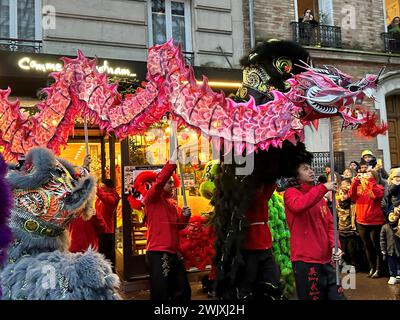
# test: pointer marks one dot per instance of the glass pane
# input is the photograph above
(178, 8)
(75, 153)
(26, 19)
(4, 19)
(158, 6)
(149, 152)
(178, 31)
(159, 28)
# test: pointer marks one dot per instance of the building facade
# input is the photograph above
(354, 37)
(210, 32)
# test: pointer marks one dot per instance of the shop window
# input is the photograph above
(150, 152)
(170, 19)
(75, 153)
(20, 19)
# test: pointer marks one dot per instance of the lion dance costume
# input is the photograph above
(48, 194)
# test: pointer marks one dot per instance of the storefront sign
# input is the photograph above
(29, 64)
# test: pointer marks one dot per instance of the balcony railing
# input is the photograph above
(316, 35)
(391, 42)
(322, 158)
(189, 57)
(20, 45)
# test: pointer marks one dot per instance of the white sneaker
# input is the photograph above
(393, 280)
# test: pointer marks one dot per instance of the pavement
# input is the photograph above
(362, 288)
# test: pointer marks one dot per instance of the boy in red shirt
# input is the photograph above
(168, 279)
(311, 241)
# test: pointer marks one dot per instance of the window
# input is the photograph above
(322, 9)
(20, 19)
(170, 19)
(392, 8)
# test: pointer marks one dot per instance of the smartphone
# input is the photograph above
(379, 162)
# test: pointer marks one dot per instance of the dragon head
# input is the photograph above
(207, 187)
(329, 92)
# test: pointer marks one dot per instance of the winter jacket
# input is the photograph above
(106, 206)
(390, 243)
(368, 202)
(258, 235)
(85, 233)
(383, 175)
(392, 199)
(161, 215)
(310, 223)
(346, 212)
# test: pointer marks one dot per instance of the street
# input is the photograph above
(366, 289)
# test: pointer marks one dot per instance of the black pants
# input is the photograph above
(260, 276)
(350, 245)
(316, 281)
(370, 236)
(106, 247)
(168, 278)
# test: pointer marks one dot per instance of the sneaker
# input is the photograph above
(392, 280)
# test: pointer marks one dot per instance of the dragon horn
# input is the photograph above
(379, 74)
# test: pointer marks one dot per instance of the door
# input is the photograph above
(393, 115)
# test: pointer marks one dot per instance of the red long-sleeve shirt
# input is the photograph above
(258, 236)
(161, 215)
(368, 202)
(311, 224)
(85, 233)
(106, 204)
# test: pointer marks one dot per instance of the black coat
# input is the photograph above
(392, 199)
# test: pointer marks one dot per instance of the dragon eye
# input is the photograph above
(283, 65)
(354, 88)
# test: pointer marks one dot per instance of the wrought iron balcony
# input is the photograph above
(391, 42)
(322, 158)
(318, 35)
(20, 45)
(189, 57)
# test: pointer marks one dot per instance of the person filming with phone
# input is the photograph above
(368, 159)
(367, 194)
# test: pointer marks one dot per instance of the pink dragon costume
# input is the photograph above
(280, 95)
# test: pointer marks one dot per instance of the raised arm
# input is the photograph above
(156, 189)
(353, 189)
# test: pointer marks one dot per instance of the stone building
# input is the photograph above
(353, 36)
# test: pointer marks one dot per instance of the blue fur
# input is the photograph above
(89, 275)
